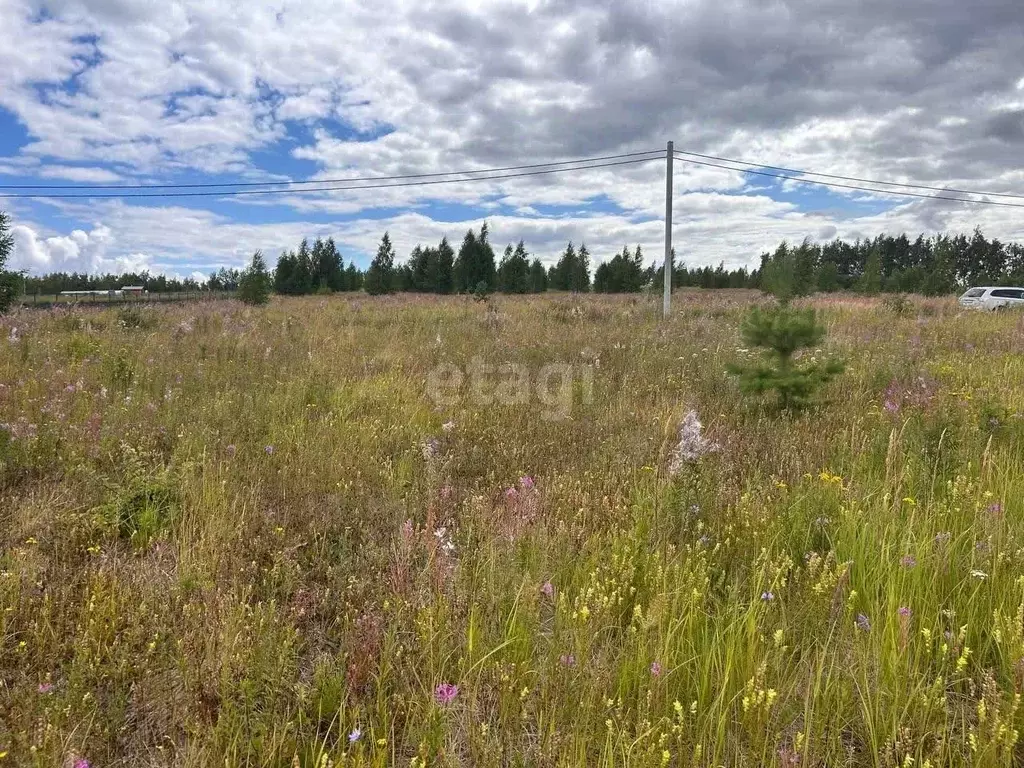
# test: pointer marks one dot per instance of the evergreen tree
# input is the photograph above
(475, 264)
(379, 276)
(284, 273)
(561, 275)
(871, 280)
(579, 276)
(445, 267)
(254, 286)
(302, 276)
(353, 278)
(781, 331)
(10, 282)
(514, 270)
(330, 268)
(538, 277)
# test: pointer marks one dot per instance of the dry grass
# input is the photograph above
(225, 541)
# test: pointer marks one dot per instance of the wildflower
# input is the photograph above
(448, 426)
(863, 623)
(445, 693)
(430, 448)
(979, 575)
(904, 612)
(45, 687)
(908, 561)
(230, 451)
(995, 508)
(943, 537)
(767, 596)
(567, 660)
(511, 493)
(655, 669)
(526, 483)
(547, 589)
(692, 445)
(269, 450)
(354, 736)
(80, 762)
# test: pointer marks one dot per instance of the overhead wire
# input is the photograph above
(897, 192)
(306, 190)
(859, 179)
(294, 182)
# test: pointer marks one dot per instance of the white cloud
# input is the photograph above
(112, 89)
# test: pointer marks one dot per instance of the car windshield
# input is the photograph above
(975, 293)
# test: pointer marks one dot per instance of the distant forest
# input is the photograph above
(933, 266)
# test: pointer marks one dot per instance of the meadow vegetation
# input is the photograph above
(240, 535)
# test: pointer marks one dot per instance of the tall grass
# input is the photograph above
(246, 537)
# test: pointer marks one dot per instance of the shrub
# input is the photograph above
(898, 304)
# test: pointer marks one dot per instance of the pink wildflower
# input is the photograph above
(445, 693)
(656, 669)
(547, 589)
(45, 687)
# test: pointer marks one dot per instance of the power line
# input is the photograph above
(850, 186)
(854, 178)
(291, 182)
(237, 192)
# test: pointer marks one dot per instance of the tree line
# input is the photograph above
(937, 265)
(933, 266)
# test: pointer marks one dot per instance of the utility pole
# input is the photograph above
(667, 302)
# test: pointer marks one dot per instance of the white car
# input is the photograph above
(991, 299)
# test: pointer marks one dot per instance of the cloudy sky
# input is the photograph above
(168, 92)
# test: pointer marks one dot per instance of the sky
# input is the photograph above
(211, 91)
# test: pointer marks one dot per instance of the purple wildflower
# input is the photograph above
(526, 483)
(904, 612)
(511, 493)
(692, 445)
(567, 660)
(995, 508)
(445, 693)
(354, 736)
(767, 596)
(80, 762)
(269, 450)
(863, 623)
(655, 669)
(45, 687)
(908, 561)
(547, 589)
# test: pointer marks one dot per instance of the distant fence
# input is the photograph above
(46, 300)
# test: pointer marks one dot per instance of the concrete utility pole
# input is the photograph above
(667, 302)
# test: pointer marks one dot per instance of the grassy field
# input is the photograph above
(47, 300)
(324, 532)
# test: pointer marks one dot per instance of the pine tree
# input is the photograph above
(538, 277)
(378, 279)
(254, 286)
(560, 277)
(781, 331)
(284, 273)
(445, 267)
(514, 270)
(579, 276)
(353, 277)
(10, 282)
